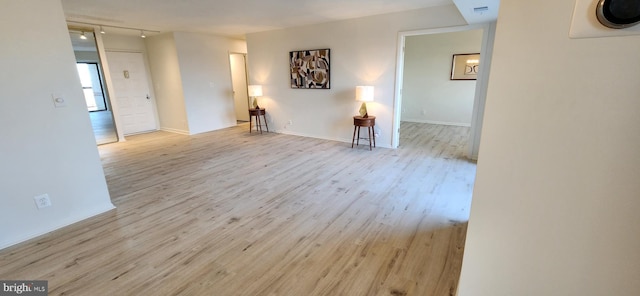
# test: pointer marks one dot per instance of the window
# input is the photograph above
(92, 86)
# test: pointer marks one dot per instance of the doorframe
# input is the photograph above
(486, 50)
(108, 87)
(246, 74)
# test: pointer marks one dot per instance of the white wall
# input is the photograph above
(428, 94)
(363, 52)
(44, 149)
(167, 83)
(114, 42)
(557, 198)
(192, 80)
(206, 79)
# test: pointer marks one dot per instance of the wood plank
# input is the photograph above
(233, 213)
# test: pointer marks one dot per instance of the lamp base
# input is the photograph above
(363, 110)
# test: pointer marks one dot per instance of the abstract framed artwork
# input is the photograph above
(310, 68)
(465, 66)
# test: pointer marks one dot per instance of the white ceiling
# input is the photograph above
(233, 18)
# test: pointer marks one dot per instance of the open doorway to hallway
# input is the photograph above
(429, 94)
(425, 90)
(238, 63)
(430, 97)
(92, 79)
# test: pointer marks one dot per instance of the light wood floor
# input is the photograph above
(103, 128)
(233, 213)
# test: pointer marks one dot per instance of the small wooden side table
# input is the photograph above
(253, 112)
(369, 122)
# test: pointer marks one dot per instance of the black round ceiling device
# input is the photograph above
(618, 14)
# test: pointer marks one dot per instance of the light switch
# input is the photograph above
(58, 101)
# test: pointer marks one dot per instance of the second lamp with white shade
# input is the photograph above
(255, 91)
(364, 94)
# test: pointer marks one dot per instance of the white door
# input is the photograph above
(239, 80)
(136, 110)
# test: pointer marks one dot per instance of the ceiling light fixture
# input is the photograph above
(102, 26)
(83, 37)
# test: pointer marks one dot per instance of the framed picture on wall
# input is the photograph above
(310, 68)
(465, 66)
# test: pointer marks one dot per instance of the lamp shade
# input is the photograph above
(364, 93)
(255, 90)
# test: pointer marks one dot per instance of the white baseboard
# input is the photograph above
(175, 131)
(438, 122)
(55, 226)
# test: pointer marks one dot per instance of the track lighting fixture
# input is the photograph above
(102, 26)
(83, 37)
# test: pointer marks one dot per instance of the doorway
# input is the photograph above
(429, 94)
(92, 79)
(238, 62)
(478, 90)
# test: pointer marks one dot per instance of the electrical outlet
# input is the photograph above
(42, 201)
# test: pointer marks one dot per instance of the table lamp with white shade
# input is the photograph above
(364, 94)
(255, 90)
